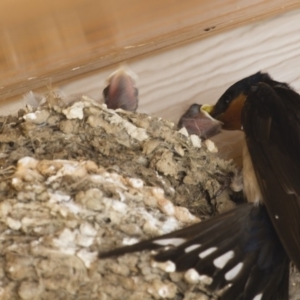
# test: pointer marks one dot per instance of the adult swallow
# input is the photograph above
(247, 250)
(121, 91)
(197, 120)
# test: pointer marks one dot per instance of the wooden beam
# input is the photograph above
(44, 42)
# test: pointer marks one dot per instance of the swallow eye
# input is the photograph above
(227, 99)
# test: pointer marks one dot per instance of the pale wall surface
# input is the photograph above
(201, 71)
(60, 39)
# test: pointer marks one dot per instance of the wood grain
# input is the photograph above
(44, 41)
(201, 71)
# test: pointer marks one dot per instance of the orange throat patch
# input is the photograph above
(232, 116)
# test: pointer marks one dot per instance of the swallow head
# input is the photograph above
(228, 108)
(121, 91)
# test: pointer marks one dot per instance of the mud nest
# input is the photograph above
(76, 178)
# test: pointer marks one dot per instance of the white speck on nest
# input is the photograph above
(184, 132)
(169, 225)
(179, 150)
(106, 177)
(84, 241)
(183, 214)
(5, 208)
(67, 236)
(119, 206)
(116, 179)
(136, 133)
(167, 266)
(30, 116)
(27, 162)
(16, 182)
(77, 170)
(13, 224)
(151, 227)
(196, 141)
(211, 147)
(130, 241)
(66, 241)
(166, 206)
(154, 226)
(87, 229)
(73, 207)
(136, 183)
(192, 276)
(87, 257)
(26, 170)
(115, 205)
(37, 117)
(75, 111)
(115, 118)
(27, 221)
(59, 197)
(96, 178)
(69, 168)
(163, 290)
(158, 192)
(63, 211)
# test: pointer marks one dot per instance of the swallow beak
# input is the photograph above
(207, 110)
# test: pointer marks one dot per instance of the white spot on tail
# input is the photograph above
(167, 266)
(191, 248)
(222, 260)
(258, 297)
(234, 271)
(207, 252)
(170, 241)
